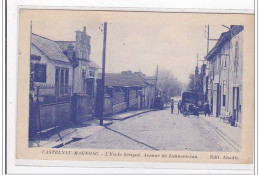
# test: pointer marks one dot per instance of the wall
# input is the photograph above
(58, 114)
(118, 97)
(78, 80)
(225, 59)
(121, 107)
(108, 110)
(228, 76)
(236, 77)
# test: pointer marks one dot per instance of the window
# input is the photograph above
(224, 93)
(40, 73)
(91, 73)
(236, 57)
(83, 73)
(225, 61)
(62, 80)
(224, 100)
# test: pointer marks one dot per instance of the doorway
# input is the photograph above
(235, 103)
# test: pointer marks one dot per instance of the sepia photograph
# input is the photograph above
(136, 81)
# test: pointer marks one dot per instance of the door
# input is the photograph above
(218, 100)
(235, 103)
(211, 107)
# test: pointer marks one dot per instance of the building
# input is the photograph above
(85, 71)
(52, 70)
(62, 81)
(127, 91)
(224, 77)
(149, 91)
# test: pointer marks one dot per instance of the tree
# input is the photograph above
(196, 80)
(170, 85)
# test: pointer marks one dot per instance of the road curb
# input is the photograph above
(135, 115)
(127, 117)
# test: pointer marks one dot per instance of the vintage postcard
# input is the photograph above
(135, 86)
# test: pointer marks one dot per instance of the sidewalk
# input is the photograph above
(61, 137)
(230, 133)
(126, 115)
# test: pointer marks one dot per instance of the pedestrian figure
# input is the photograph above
(172, 106)
(206, 109)
(179, 106)
(196, 111)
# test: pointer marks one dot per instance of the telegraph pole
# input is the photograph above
(103, 74)
(156, 87)
(208, 41)
(197, 60)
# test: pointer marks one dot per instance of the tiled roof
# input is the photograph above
(93, 64)
(150, 80)
(147, 79)
(63, 44)
(49, 48)
(123, 80)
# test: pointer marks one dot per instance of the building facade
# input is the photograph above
(223, 80)
(62, 81)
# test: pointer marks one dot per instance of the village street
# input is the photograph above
(157, 130)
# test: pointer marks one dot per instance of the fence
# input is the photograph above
(50, 107)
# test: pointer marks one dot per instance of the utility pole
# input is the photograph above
(197, 59)
(156, 87)
(103, 74)
(157, 74)
(208, 41)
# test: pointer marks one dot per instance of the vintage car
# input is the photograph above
(191, 103)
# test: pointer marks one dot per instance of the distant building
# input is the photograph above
(224, 87)
(127, 91)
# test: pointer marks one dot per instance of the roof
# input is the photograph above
(93, 64)
(150, 80)
(147, 79)
(123, 80)
(49, 47)
(63, 44)
(224, 37)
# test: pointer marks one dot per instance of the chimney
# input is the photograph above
(82, 47)
(231, 26)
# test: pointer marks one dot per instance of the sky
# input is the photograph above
(136, 41)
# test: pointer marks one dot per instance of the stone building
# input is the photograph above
(85, 71)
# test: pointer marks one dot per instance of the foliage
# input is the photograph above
(170, 85)
(196, 82)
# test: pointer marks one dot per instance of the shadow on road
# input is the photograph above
(131, 138)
